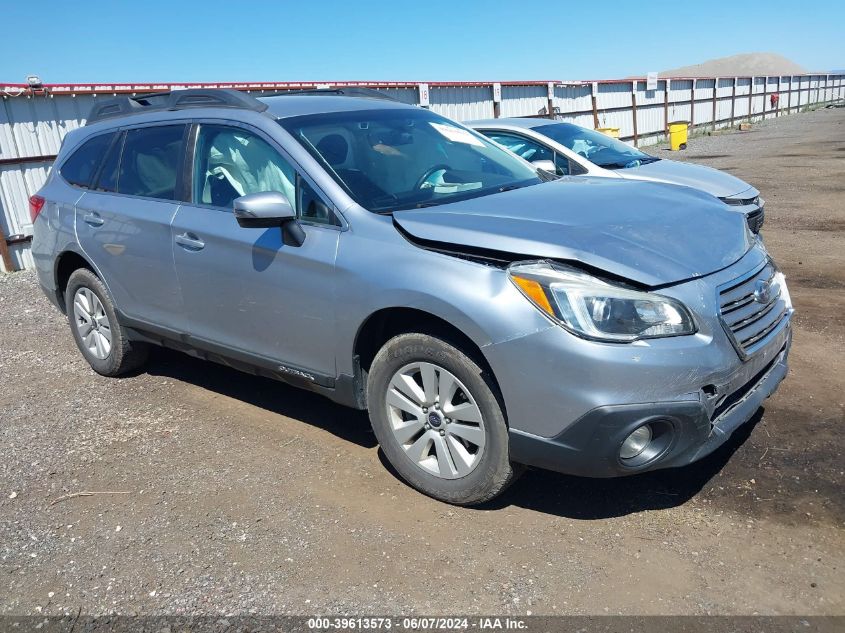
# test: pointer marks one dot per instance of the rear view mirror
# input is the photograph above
(269, 209)
(545, 165)
(263, 210)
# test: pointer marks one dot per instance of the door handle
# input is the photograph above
(190, 242)
(93, 219)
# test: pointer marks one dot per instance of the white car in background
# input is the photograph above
(568, 149)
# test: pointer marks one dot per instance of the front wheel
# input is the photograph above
(437, 419)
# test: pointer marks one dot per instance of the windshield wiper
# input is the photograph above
(468, 195)
(512, 186)
(645, 160)
(547, 176)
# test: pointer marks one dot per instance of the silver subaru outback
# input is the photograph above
(396, 261)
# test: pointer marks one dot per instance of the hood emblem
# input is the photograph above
(762, 291)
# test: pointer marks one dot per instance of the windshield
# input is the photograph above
(392, 159)
(598, 148)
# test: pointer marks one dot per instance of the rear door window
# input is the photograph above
(82, 164)
(149, 165)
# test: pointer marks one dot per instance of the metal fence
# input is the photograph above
(34, 122)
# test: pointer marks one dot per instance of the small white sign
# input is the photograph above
(651, 81)
(497, 93)
(323, 86)
(423, 88)
(457, 134)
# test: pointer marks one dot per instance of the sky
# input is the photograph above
(119, 41)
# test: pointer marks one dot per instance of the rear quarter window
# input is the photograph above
(82, 164)
(107, 180)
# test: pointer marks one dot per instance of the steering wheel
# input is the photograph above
(428, 174)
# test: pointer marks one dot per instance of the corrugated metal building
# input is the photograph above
(33, 123)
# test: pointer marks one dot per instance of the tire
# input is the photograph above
(90, 295)
(439, 459)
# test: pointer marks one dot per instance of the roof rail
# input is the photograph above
(174, 100)
(352, 91)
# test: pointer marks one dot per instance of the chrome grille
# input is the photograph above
(749, 314)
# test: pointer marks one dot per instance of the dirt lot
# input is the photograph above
(231, 494)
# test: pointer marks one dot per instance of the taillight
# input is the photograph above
(36, 203)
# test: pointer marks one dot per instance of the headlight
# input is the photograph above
(741, 202)
(592, 308)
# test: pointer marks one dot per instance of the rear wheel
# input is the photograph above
(437, 419)
(98, 333)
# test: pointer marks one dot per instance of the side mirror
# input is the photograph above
(545, 165)
(269, 209)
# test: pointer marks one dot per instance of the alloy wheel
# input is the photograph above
(435, 420)
(92, 323)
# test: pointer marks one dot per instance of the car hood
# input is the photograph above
(650, 233)
(713, 181)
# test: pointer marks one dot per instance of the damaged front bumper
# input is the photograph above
(687, 430)
(571, 403)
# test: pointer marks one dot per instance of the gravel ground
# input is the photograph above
(221, 493)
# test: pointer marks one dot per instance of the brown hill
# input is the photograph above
(739, 65)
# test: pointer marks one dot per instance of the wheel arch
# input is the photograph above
(66, 263)
(385, 323)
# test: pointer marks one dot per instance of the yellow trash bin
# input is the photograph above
(678, 135)
(610, 131)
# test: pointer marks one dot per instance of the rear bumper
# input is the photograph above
(590, 446)
(52, 294)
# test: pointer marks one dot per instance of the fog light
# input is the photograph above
(636, 442)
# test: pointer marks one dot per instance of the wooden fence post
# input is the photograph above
(8, 264)
(733, 101)
(750, 97)
(715, 90)
(497, 100)
(692, 106)
(634, 111)
(789, 103)
(765, 94)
